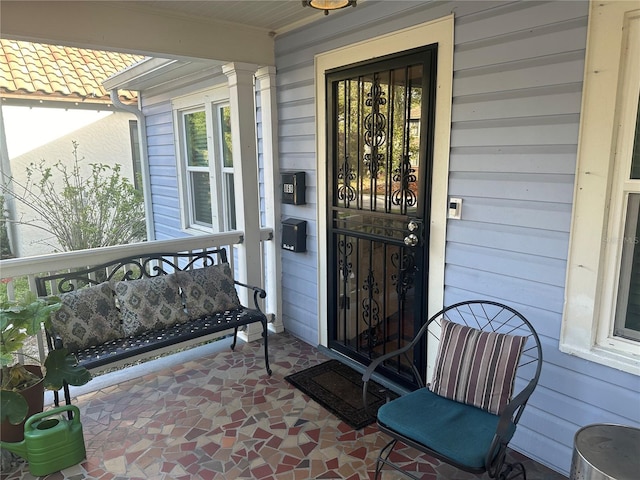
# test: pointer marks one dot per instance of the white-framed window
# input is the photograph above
(204, 152)
(226, 156)
(601, 320)
(195, 151)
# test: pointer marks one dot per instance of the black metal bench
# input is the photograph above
(149, 266)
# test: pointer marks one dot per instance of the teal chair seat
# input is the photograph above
(460, 432)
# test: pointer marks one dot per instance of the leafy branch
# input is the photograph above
(100, 210)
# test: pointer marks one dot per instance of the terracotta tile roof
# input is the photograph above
(49, 72)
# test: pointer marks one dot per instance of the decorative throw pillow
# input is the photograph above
(208, 290)
(150, 304)
(475, 367)
(87, 317)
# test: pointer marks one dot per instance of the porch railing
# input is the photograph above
(30, 267)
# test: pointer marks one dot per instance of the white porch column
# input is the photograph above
(245, 175)
(266, 77)
(5, 179)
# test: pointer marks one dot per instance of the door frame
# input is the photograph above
(438, 31)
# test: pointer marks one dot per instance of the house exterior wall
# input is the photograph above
(517, 87)
(105, 141)
(163, 163)
(163, 168)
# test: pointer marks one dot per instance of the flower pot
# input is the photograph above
(34, 395)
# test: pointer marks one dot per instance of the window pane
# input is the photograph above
(201, 197)
(195, 126)
(225, 128)
(231, 201)
(635, 158)
(628, 314)
(135, 154)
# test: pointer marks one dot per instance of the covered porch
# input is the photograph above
(518, 84)
(210, 413)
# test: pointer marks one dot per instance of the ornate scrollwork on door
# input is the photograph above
(370, 312)
(370, 306)
(406, 268)
(374, 127)
(346, 175)
(404, 174)
(345, 267)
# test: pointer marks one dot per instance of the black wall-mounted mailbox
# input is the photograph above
(293, 188)
(294, 235)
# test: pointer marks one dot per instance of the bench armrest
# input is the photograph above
(58, 343)
(257, 292)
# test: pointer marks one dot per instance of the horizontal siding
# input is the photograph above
(563, 429)
(163, 170)
(515, 131)
(549, 159)
(516, 169)
(297, 109)
(508, 17)
(529, 102)
(293, 160)
(518, 71)
(540, 243)
(297, 127)
(529, 73)
(521, 266)
(539, 41)
(556, 452)
(540, 187)
(537, 215)
(472, 283)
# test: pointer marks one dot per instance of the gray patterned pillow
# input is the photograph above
(208, 290)
(87, 317)
(150, 304)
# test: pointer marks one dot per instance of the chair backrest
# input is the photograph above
(495, 318)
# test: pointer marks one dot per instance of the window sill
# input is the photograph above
(626, 362)
(198, 231)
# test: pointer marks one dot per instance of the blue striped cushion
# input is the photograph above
(476, 367)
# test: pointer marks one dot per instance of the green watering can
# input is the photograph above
(50, 444)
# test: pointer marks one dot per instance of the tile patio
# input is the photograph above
(221, 417)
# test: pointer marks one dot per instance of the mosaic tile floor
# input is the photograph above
(222, 417)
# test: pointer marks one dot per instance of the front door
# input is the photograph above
(380, 143)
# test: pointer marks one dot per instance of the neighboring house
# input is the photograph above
(66, 82)
(516, 113)
(107, 141)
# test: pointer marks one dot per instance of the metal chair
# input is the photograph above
(468, 413)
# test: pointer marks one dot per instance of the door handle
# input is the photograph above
(411, 240)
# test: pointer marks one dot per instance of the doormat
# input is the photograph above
(338, 388)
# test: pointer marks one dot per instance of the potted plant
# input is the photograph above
(20, 320)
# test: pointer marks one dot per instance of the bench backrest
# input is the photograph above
(128, 268)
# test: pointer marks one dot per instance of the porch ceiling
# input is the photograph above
(272, 15)
(222, 30)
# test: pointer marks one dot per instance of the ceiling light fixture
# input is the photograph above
(327, 5)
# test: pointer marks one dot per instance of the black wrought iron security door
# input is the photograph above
(380, 136)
